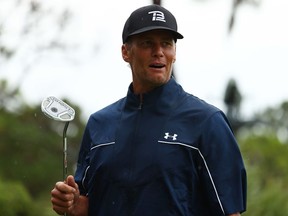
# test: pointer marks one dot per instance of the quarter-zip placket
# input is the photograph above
(130, 189)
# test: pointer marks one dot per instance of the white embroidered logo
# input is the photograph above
(157, 16)
(174, 137)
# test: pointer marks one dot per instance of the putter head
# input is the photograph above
(56, 109)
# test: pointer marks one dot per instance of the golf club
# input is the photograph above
(58, 110)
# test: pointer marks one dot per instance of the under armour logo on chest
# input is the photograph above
(157, 16)
(168, 136)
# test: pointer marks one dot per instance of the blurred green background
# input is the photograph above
(31, 154)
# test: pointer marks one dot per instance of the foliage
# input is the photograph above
(31, 154)
(15, 200)
(10, 99)
(37, 14)
(31, 150)
(267, 164)
(266, 159)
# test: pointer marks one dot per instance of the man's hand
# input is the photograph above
(65, 198)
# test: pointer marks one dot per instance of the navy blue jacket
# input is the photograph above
(162, 154)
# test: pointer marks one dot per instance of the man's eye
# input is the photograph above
(146, 43)
(167, 43)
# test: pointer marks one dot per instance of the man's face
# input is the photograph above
(151, 56)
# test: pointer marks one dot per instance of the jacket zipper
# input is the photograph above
(131, 192)
(141, 102)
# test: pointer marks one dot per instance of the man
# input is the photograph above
(159, 151)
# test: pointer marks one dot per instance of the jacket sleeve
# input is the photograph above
(224, 177)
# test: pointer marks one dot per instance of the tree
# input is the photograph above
(31, 146)
(32, 33)
(232, 100)
(265, 150)
(267, 164)
(235, 6)
(15, 200)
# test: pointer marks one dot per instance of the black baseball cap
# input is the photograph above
(149, 18)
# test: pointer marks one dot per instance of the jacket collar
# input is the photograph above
(163, 97)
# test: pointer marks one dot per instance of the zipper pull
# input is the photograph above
(141, 102)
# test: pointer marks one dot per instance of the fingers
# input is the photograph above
(64, 195)
(67, 187)
(63, 192)
(60, 200)
(64, 188)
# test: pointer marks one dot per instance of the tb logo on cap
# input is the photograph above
(157, 16)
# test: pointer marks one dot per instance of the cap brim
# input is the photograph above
(176, 34)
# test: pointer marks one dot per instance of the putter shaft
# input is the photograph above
(65, 160)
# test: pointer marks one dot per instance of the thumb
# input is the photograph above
(71, 182)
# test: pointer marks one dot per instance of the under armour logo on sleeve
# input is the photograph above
(168, 136)
(157, 16)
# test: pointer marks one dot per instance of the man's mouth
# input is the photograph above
(156, 65)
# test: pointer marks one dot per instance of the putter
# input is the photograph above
(58, 110)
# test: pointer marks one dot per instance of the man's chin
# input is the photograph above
(159, 80)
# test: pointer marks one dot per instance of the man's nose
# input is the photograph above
(157, 50)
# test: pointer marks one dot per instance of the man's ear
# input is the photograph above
(125, 55)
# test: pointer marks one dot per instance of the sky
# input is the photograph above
(92, 74)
